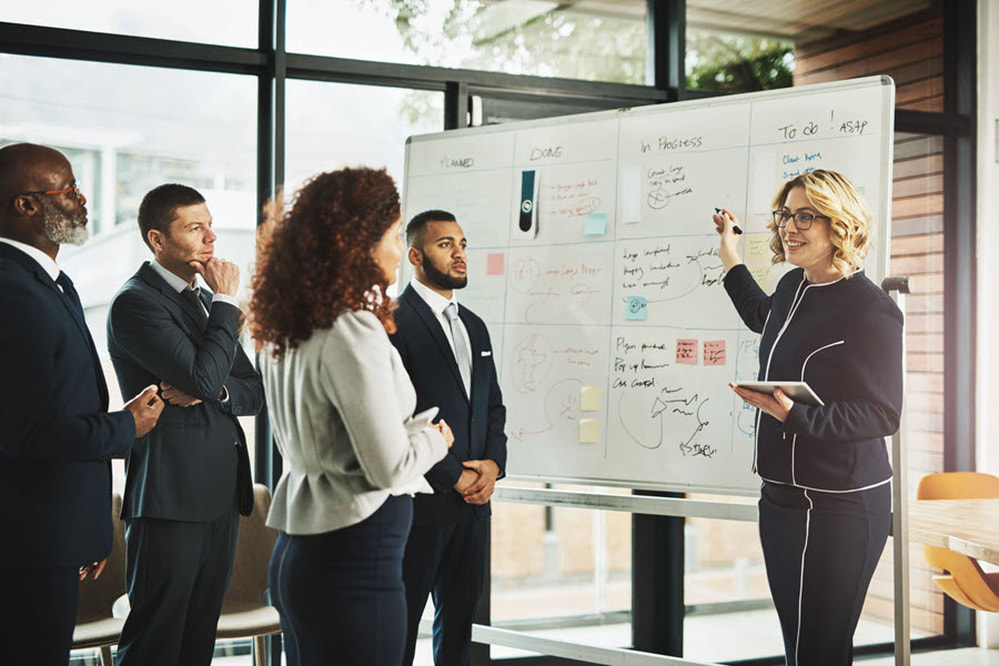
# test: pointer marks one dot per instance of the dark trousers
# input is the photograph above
(177, 573)
(448, 563)
(38, 616)
(340, 593)
(820, 550)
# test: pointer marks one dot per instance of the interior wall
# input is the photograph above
(987, 427)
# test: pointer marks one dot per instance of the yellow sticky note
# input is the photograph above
(589, 431)
(589, 399)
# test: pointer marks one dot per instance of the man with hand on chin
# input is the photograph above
(189, 479)
(448, 354)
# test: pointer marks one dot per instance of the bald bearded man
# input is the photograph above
(56, 435)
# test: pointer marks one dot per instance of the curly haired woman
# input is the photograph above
(341, 406)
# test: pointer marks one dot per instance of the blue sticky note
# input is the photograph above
(596, 224)
(635, 308)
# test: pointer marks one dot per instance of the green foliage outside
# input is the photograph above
(729, 63)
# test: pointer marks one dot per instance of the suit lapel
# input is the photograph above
(148, 275)
(436, 331)
(475, 345)
(32, 266)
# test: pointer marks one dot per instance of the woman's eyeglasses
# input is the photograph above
(802, 221)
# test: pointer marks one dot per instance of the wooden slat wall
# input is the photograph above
(912, 54)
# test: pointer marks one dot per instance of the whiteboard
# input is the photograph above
(612, 334)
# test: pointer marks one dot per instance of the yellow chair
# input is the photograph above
(966, 583)
(244, 611)
(95, 625)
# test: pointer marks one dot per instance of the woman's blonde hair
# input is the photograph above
(835, 197)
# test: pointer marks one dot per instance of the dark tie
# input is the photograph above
(69, 292)
(193, 296)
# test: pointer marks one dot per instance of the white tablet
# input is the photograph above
(797, 391)
(426, 416)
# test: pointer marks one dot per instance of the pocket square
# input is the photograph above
(487, 353)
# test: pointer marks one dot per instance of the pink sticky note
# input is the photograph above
(686, 352)
(494, 263)
(714, 352)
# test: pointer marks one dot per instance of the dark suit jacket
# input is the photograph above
(477, 424)
(56, 436)
(186, 467)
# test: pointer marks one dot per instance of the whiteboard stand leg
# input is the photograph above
(898, 287)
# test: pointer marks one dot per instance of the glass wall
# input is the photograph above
(125, 130)
(224, 22)
(514, 36)
(561, 572)
(332, 125)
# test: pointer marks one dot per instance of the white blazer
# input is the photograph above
(341, 406)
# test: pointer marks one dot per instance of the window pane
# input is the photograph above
(226, 22)
(561, 573)
(332, 125)
(740, 49)
(126, 130)
(730, 62)
(515, 36)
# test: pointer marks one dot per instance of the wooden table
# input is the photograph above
(966, 526)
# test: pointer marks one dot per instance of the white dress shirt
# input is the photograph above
(178, 283)
(437, 304)
(47, 263)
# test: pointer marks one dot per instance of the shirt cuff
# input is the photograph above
(226, 298)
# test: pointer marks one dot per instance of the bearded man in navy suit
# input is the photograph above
(449, 357)
(56, 435)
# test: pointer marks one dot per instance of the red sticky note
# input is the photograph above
(494, 263)
(714, 352)
(686, 352)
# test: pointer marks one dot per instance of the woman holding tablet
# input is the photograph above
(341, 404)
(825, 504)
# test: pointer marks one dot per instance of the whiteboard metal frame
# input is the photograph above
(882, 212)
(681, 507)
(652, 506)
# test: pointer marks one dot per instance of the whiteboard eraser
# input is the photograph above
(526, 222)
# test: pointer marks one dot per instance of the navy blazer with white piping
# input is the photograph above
(843, 338)
(478, 424)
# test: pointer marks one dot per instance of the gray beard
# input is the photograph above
(61, 229)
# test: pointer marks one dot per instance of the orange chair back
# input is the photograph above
(967, 582)
(958, 485)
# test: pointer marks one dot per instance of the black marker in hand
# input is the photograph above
(735, 227)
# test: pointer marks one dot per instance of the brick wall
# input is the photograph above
(911, 52)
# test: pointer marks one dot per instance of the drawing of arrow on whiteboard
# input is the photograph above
(685, 410)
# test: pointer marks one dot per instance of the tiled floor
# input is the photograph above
(745, 635)
(695, 631)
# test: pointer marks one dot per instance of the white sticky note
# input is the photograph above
(764, 180)
(589, 431)
(590, 399)
(631, 194)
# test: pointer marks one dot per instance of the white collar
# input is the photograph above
(175, 281)
(435, 301)
(47, 263)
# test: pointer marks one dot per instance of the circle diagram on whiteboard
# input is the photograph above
(526, 225)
